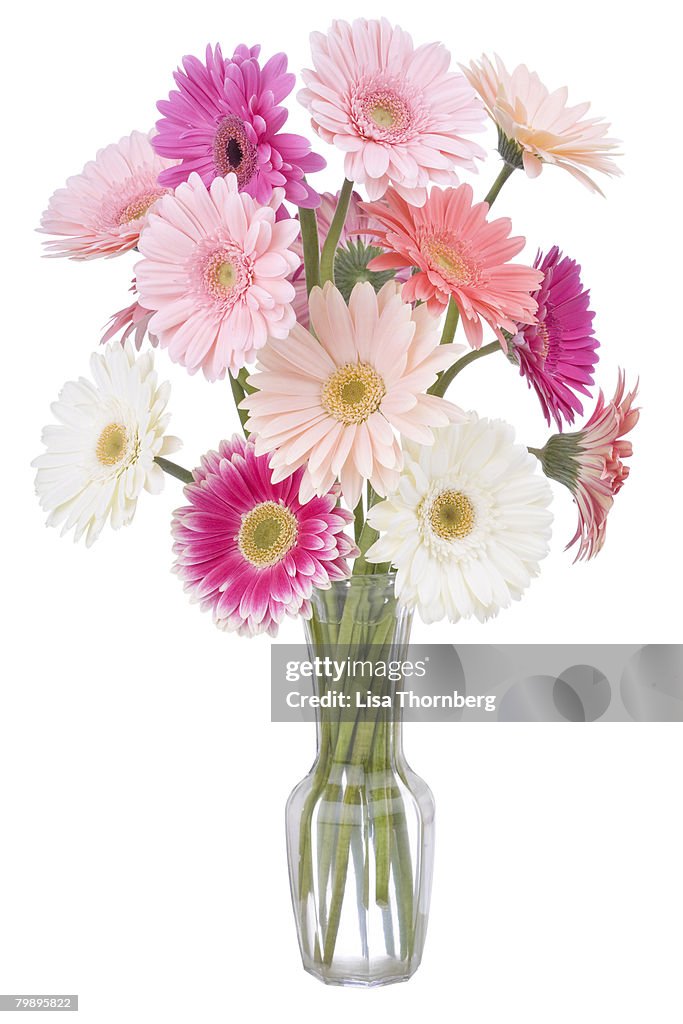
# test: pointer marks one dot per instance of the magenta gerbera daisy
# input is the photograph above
(248, 549)
(215, 273)
(102, 210)
(224, 118)
(557, 355)
(397, 112)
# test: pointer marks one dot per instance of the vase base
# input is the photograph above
(359, 974)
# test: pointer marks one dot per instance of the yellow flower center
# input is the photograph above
(139, 206)
(226, 275)
(112, 444)
(267, 533)
(451, 515)
(383, 116)
(453, 260)
(353, 393)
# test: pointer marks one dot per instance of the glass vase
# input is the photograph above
(360, 826)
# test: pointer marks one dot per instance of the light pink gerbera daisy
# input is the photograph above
(589, 462)
(335, 403)
(536, 126)
(102, 210)
(131, 320)
(397, 112)
(215, 273)
(248, 548)
(460, 255)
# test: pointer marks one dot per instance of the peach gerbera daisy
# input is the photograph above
(102, 210)
(335, 404)
(215, 274)
(397, 112)
(536, 126)
(458, 254)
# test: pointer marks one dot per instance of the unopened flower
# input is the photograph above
(590, 463)
(215, 273)
(248, 549)
(536, 127)
(458, 254)
(102, 210)
(225, 118)
(336, 402)
(558, 353)
(100, 454)
(397, 112)
(467, 525)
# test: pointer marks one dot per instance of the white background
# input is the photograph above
(142, 786)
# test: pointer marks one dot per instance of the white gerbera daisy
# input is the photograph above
(468, 524)
(101, 453)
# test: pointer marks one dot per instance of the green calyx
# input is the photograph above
(351, 266)
(510, 151)
(559, 458)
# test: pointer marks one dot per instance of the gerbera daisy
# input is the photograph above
(335, 403)
(467, 525)
(100, 454)
(248, 549)
(397, 112)
(589, 462)
(536, 126)
(102, 210)
(558, 353)
(215, 273)
(458, 255)
(224, 119)
(131, 320)
(355, 250)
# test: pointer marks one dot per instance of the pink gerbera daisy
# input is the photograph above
(131, 320)
(558, 353)
(224, 119)
(248, 549)
(334, 402)
(397, 112)
(536, 127)
(460, 255)
(215, 273)
(589, 462)
(102, 210)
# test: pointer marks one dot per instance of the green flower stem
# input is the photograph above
(334, 234)
(311, 245)
(173, 469)
(368, 536)
(449, 375)
(358, 520)
(450, 323)
(505, 172)
(238, 395)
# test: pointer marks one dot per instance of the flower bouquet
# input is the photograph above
(356, 491)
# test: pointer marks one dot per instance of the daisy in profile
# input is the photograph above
(468, 524)
(458, 254)
(224, 118)
(558, 353)
(215, 272)
(248, 549)
(335, 403)
(102, 210)
(536, 127)
(100, 454)
(398, 113)
(590, 463)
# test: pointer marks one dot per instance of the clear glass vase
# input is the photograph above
(360, 826)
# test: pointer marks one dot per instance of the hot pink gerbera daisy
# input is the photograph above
(397, 112)
(536, 127)
(224, 119)
(355, 250)
(131, 320)
(459, 255)
(248, 549)
(334, 404)
(102, 210)
(589, 462)
(215, 272)
(558, 353)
